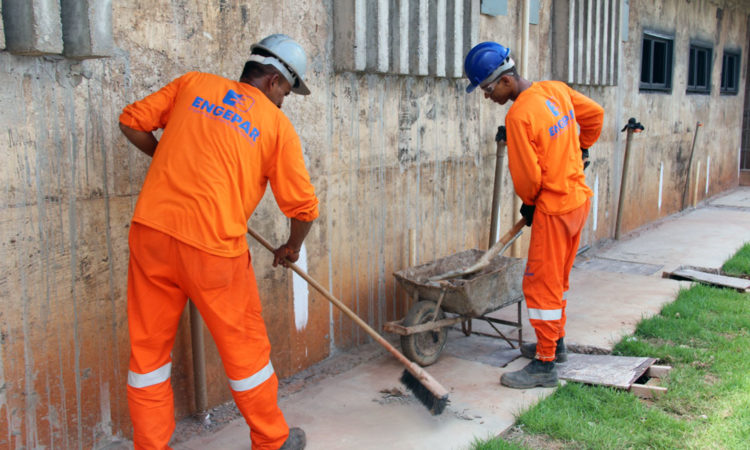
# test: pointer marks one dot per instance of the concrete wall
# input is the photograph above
(387, 153)
(670, 119)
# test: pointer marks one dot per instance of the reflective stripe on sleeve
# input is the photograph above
(141, 380)
(545, 314)
(253, 380)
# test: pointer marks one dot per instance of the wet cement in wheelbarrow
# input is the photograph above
(496, 286)
(458, 261)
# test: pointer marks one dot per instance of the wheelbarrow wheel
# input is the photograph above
(423, 348)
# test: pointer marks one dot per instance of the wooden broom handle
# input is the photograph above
(374, 334)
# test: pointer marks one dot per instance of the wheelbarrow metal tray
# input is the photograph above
(496, 286)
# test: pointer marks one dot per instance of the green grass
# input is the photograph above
(739, 264)
(705, 336)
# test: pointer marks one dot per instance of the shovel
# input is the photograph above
(497, 249)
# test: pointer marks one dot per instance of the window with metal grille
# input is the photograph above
(730, 73)
(699, 69)
(656, 62)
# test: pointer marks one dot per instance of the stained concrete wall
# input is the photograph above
(387, 153)
(671, 118)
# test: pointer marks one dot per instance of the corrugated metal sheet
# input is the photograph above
(410, 37)
(586, 41)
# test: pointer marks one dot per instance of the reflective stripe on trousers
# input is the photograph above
(142, 380)
(545, 314)
(253, 380)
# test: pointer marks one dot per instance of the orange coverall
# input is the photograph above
(223, 142)
(544, 159)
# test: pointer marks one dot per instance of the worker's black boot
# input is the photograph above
(561, 353)
(295, 441)
(536, 373)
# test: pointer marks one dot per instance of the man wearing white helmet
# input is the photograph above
(223, 142)
(546, 158)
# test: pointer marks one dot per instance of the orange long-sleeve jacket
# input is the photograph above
(544, 146)
(223, 142)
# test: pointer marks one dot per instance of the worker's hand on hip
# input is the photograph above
(285, 255)
(527, 211)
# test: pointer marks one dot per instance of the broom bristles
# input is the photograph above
(434, 403)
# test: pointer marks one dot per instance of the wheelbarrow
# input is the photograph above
(424, 330)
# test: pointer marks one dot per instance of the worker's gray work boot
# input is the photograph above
(296, 440)
(561, 353)
(536, 373)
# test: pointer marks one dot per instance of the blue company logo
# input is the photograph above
(562, 123)
(227, 115)
(242, 102)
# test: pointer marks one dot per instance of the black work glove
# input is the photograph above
(527, 211)
(585, 157)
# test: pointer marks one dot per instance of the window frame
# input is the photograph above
(723, 89)
(652, 39)
(698, 49)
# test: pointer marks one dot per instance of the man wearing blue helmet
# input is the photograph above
(546, 158)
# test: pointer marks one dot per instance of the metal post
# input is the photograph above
(495, 213)
(623, 183)
(697, 181)
(515, 249)
(413, 259)
(199, 364)
(690, 163)
(631, 127)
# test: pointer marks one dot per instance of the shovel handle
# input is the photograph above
(485, 259)
(506, 239)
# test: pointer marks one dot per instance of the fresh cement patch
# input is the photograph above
(494, 352)
(618, 266)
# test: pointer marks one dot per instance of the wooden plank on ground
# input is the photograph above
(646, 391)
(739, 284)
(658, 371)
(607, 370)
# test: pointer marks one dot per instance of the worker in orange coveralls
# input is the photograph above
(546, 158)
(223, 142)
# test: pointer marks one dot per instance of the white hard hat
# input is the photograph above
(288, 57)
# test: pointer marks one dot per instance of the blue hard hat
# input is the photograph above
(484, 61)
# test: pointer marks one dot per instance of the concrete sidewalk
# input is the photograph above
(612, 288)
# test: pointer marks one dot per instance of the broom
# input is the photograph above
(425, 388)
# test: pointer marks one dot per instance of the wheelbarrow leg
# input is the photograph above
(466, 326)
(499, 332)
